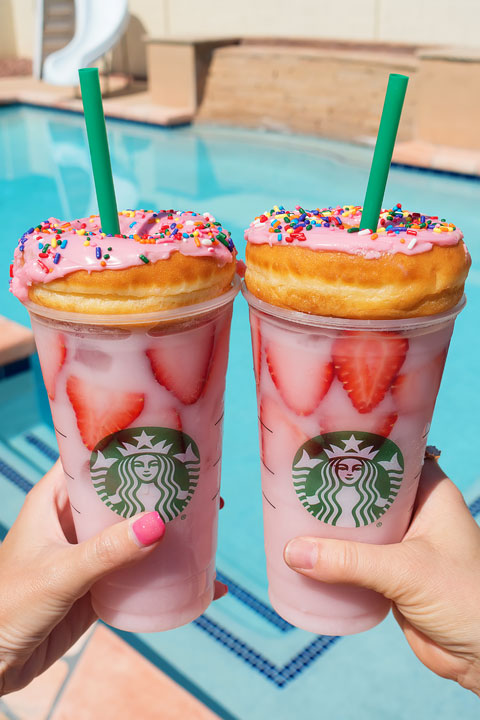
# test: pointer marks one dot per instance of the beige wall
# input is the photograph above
(7, 37)
(403, 21)
(413, 21)
(17, 22)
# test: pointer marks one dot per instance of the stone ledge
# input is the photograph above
(450, 54)
(16, 342)
(374, 57)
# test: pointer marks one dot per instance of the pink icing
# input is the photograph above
(197, 236)
(330, 234)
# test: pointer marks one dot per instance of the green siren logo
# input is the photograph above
(348, 479)
(146, 468)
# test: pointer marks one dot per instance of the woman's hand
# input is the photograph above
(45, 580)
(432, 577)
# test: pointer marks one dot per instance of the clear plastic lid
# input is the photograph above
(168, 316)
(321, 321)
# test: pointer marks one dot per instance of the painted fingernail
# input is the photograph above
(301, 554)
(220, 590)
(148, 529)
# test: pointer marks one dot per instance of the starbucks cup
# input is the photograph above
(344, 412)
(137, 404)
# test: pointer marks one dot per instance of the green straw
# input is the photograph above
(98, 144)
(382, 157)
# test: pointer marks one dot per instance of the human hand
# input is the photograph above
(45, 580)
(432, 577)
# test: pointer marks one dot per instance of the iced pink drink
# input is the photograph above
(166, 458)
(345, 404)
(137, 397)
(328, 469)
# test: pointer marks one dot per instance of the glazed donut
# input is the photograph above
(159, 261)
(319, 262)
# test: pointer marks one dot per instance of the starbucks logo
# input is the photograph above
(348, 479)
(146, 468)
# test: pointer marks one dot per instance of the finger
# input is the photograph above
(115, 547)
(220, 590)
(433, 482)
(438, 503)
(377, 567)
(39, 511)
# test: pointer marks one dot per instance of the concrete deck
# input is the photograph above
(121, 98)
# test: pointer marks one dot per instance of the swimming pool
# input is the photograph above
(240, 643)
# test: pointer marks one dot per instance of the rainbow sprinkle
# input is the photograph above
(162, 227)
(293, 226)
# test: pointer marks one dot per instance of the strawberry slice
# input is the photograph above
(385, 425)
(280, 438)
(418, 388)
(300, 374)
(51, 352)
(180, 362)
(366, 365)
(101, 411)
(256, 346)
(377, 423)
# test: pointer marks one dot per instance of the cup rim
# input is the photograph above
(335, 323)
(181, 313)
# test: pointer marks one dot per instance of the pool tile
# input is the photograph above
(102, 684)
(35, 701)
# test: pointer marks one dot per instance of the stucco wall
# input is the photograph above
(420, 22)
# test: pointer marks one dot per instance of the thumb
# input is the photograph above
(115, 547)
(377, 567)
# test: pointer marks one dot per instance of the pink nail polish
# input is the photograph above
(301, 554)
(148, 529)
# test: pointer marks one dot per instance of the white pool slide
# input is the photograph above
(99, 24)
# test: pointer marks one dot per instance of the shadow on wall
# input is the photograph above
(129, 54)
(7, 34)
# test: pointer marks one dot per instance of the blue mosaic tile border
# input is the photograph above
(474, 507)
(14, 477)
(278, 675)
(39, 444)
(254, 603)
(437, 171)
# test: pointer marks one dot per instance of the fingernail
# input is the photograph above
(301, 554)
(222, 589)
(148, 529)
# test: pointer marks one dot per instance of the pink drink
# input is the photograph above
(161, 377)
(328, 469)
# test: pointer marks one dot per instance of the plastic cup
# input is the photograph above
(136, 376)
(330, 469)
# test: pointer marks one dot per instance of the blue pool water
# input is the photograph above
(240, 657)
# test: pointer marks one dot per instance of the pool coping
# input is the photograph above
(133, 103)
(122, 100)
